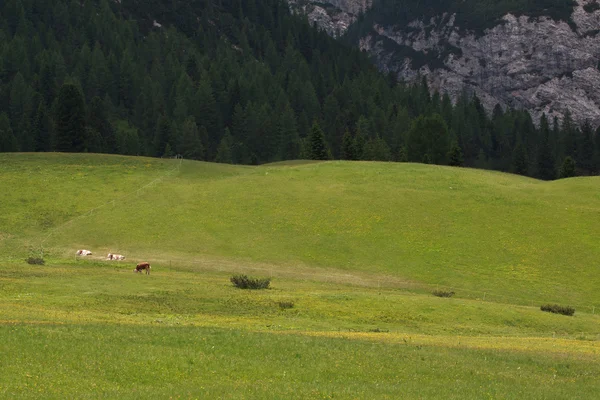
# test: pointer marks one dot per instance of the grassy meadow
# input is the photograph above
(356, 248)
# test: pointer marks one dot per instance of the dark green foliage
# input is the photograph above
(455, 156)
(546, 168)
(568, 168)
(428, 140)
(244, 282)
(285, 305)
(442, 293)
(558, 309)
(520, 165)
(348, 150)
(35, 260)
(8, 142)
(316, 142)
(258, 72)
(98, 121)
(70, 120)
(224, 153)
(42, 128)
(585, 149)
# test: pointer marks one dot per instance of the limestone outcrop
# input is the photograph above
(539, 64)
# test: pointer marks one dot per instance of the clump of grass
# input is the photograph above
(284, 305)
(442, 293)
(378, 330)
(35, 260)
(244, 282)
(558, 309)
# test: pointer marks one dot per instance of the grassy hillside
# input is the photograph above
(475, 230)
(355, 248)
(190, 334)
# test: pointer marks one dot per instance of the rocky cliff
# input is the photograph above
(540, 64)
(334, 16)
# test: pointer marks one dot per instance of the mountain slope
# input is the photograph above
(540, 55)
(476, 230)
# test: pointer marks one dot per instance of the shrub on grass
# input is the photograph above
(284, 305)
(558, 309)
(244, 282)
(35, 260)
(442, 293)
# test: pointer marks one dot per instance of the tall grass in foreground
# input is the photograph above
(89, 329)
(53, 361)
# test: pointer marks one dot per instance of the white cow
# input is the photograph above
(112, 256)
(84, 253)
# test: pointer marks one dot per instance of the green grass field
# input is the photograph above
(356, 247)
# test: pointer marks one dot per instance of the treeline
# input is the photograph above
(242, 82)
(474, 15)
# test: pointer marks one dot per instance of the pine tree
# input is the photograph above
(42, 128)
(360, 140)
(546, 168)
(585, 148)
(520, 164)
(8, 142)
(224, 153)
(317, 146)
(596, 167)
(98, 121)
(455, 156)
(348, 150)
(70, 119)
(428, 135)
(568, 168)
(191, 145)
(163, 136)
(377, 150)
(289, 140)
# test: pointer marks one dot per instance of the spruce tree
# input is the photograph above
(585, 148)
(224, 152)
(191, 145)
(348, 150)
(8, 142)
(162, 136)
(596, 166)
(317, 146)
(546, 168)
(98, 121)
(42, 128)
(289, 140)
(520, 164)
(568, 168)
(455, 156)
(70, 120)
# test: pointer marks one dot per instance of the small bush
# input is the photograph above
(557, 309)
(244, 282)
(284, 305)
(442, 293)
(378, 330)
(35, 260)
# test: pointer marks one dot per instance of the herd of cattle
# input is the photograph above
(143, 266)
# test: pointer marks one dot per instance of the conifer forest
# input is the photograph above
(244, 82)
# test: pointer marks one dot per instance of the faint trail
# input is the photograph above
(111, 202)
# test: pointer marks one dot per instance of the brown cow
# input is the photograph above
(143, 266)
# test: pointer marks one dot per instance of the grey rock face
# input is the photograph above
(334, 16)
(539, 64)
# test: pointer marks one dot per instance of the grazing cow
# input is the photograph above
(84, 253)
(143, 266)
(112, 256)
